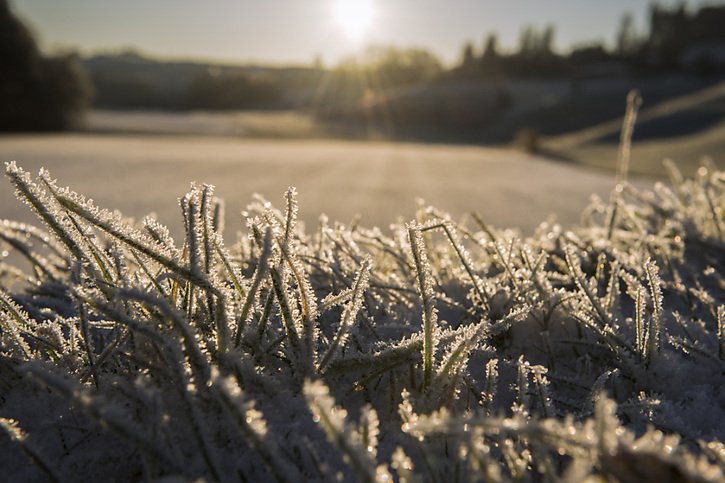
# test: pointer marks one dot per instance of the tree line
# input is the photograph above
(677, 40)
(128, 80)
(42, 92)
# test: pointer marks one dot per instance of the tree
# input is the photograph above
(669, 35)
(588, 54)
(469, 57)
(394, 66)
(491, 60)
(36, 92)
(536, 54)
(490, 48)
(627, 41)
(527, 42)
(545, 46)
(375, 72)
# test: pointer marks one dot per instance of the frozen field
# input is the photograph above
(138, 174)
(595, 354)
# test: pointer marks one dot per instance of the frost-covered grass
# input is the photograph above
(439, 351)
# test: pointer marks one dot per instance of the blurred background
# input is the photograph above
(547, 79)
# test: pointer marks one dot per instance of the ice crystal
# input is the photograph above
(436, 348)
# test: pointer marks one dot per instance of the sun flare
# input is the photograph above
(354, 17)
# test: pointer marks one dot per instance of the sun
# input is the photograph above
(354, 17)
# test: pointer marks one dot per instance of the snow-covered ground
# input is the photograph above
(438, 349)
(138, 174)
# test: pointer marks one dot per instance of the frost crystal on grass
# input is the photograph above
(433, 349)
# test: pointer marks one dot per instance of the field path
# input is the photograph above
(379, 181)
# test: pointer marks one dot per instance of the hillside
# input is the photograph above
(129, 80)
(685, 129)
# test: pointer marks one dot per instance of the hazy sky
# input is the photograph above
(295, 31)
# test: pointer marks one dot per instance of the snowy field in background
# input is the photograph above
(139, 174)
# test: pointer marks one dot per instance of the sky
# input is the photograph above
(298, 31)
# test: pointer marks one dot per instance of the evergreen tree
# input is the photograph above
(491, 60)
(627, 42)
(36, 92)
(545, 46)
(469, 57)
(490, 49)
